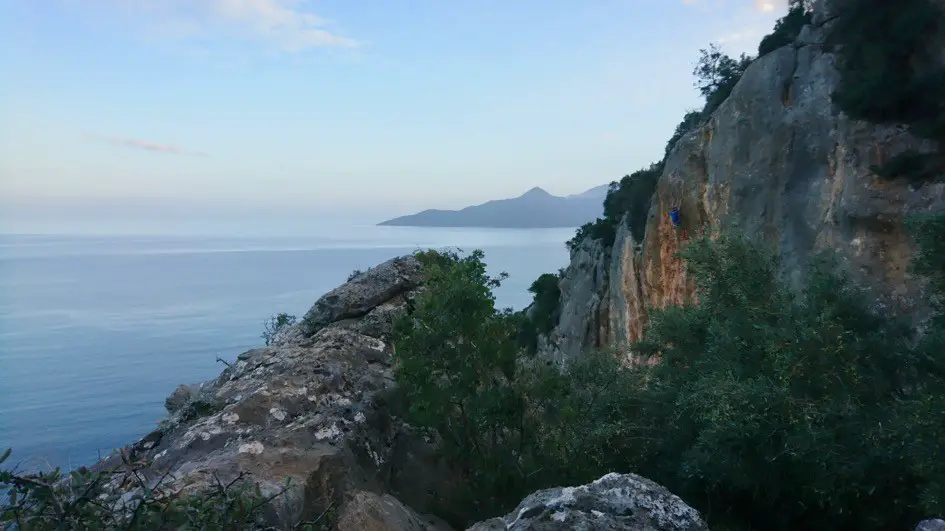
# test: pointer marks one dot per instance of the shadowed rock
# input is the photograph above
(364, 293)
(615, 502)
(306, 408)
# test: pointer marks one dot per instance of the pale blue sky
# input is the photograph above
(377, 106)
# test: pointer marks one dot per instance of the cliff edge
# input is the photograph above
(781, 162)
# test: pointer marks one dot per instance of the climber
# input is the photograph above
(674, 217)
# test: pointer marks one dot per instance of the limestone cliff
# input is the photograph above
(784, 164)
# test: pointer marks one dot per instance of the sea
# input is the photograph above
(95, 331)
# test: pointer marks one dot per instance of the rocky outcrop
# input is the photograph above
(583, 314)
(612, 503)
(936, 524)
(368, 511)
(309, 408)
(782, 163)
(364, 293)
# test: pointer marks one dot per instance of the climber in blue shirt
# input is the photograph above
(674, 217)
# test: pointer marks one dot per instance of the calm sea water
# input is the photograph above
(96, 331)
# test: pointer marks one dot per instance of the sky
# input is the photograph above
(366, 109)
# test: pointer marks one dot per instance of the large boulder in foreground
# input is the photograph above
(310, 408)
(614, 502)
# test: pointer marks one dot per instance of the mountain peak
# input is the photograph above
(535, 192)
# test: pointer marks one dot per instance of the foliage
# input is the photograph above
(92, 500)
(785, 410)
(276, 323)
(690, 121)
(889, 72)
(602, 229)
(631, 197)
(542, 315)
(912, 165)
(717, 74)
(456, 358)
(787, 28)
(355, 274)
(494, 409)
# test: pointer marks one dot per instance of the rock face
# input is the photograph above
(936, 524)
(614, 502)
(367, 511)
(785, 165)
(308, 408)
(583, 314)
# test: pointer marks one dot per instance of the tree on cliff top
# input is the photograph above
(717, 74)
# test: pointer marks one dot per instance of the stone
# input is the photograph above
(615, 502)
(367, 511)
(364, 293)
(180, 397)
(308, 408)
(934, 524)
(580, 318)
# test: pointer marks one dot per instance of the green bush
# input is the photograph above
(509, 424)
(632, 197)
(274, 324)
(602, 229)
(787, 28)
(84, 499)
(690, 121)
(542, 316)
(765, 407)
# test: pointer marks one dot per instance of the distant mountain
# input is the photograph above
(535, 208)
(598, 192)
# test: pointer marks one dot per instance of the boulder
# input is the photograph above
(934, 524)
(367, 511)
(614, 502)
(180, 397)
(364, 293)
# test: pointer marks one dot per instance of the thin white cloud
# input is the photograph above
(145, 145)
(287, 24)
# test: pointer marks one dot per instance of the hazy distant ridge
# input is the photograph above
(535, 208)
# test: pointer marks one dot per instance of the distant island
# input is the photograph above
(534, 209)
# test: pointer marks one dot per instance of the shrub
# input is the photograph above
(632, 197)
(784, 410)
(355, 274)
(787, 28)
(274, 324)
(690, 121)
(86, 499)
(602, 229)
(542, 315)
(508, 423)
(765, 408)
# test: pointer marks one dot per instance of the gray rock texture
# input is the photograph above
(309, 408)
(614, 502)
(363, 293)
(934, 524)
